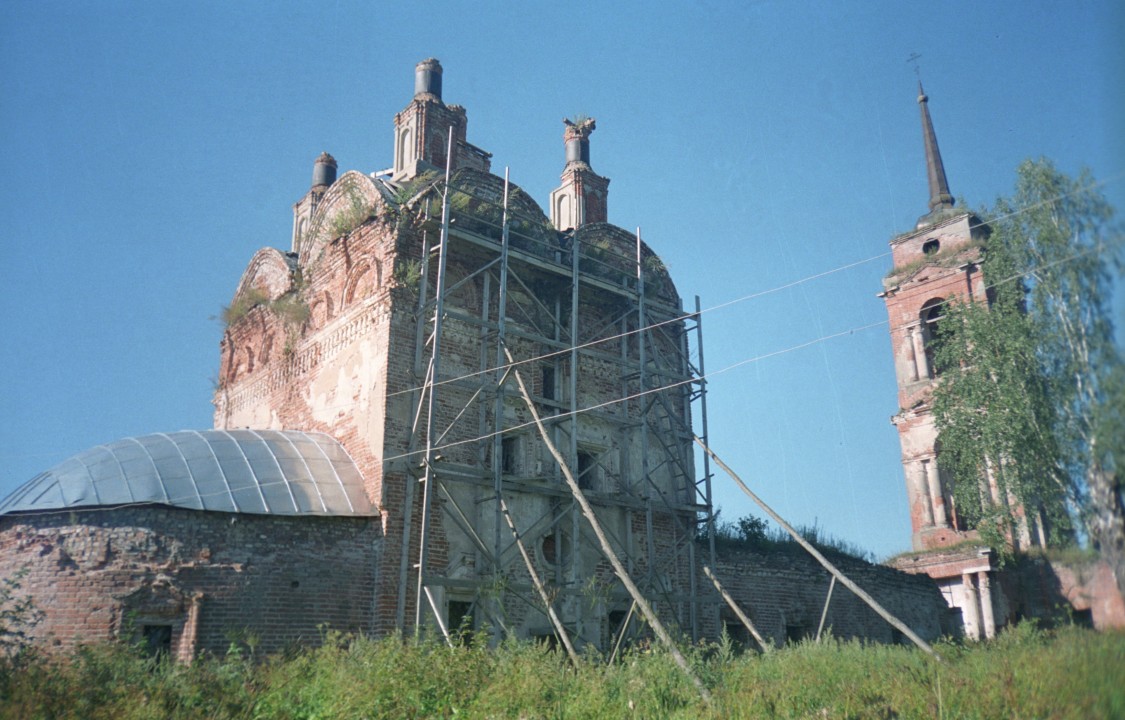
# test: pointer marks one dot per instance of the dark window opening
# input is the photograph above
(794, 632)
(551, 640)
(897, 638)
(615, 619)
(932, 314)
(954, 622)
(459, 620)
(736, 632)
(1082, 618)
(549, 384)
(618, 624)
(930, 247)
(509, 452)
(587, 469)
(157, 640)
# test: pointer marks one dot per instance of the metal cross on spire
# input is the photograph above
(913, 60)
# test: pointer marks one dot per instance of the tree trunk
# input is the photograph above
(1107, 520)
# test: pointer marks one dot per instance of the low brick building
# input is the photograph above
(192, 541)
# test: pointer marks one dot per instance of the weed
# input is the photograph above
(243, 304)
(947, 257)
(1026, 672)
(352, 216)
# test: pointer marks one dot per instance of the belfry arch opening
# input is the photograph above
(931, 315)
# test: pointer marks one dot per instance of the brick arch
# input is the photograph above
(363, 280)
(269, 271)
(322, 309)
(466, 289)
(353, 192)
(405, 154)
(930, 314)
(242, 362)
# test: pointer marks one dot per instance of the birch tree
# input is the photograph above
(1034, 386)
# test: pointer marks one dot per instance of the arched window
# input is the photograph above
(405, 150)
(931, 315)
(931, 246)
(562, 213)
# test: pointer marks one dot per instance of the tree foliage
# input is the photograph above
(1026, 412)
(995, 421)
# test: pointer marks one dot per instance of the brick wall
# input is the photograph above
(1041, 588)
(210, 577)
(783, 592)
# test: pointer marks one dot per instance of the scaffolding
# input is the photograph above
(580, 317)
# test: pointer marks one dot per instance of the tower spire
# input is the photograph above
(940, 199)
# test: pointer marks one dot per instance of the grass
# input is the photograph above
(1026, 672)
(946, 257)
(754, 533)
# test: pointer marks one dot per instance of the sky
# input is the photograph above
(153, 147)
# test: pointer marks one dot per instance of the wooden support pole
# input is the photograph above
(766, 647)
(539, 586)
(607, 549)
(621, 635)
(895, 622)
(824, 613)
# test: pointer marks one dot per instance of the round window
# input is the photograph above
(556, 548)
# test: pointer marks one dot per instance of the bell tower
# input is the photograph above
(935, 263)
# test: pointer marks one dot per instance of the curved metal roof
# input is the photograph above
(267, 472)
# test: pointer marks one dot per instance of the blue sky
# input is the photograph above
(151, 148)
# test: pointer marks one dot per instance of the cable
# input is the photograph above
(744, 298)
(735, 301)
(728, 368)
(653, 326)
(598, 406)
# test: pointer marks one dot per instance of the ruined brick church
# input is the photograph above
(374, 458)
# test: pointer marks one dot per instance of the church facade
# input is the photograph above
(395, 393)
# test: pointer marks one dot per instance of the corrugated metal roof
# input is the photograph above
(267, 472)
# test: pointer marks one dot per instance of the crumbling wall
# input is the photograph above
(203, 579)
(1082, 591)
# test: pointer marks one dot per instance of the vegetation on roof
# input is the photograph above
(754, 533)
(945, 257)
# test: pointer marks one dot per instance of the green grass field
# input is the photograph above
(1025, 673)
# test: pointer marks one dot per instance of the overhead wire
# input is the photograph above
(732, 366)
(744, 298)
(740, 299)
(634, 396)
(734, 301)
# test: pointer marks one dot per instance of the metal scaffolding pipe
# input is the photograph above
(435, 376)
(607, 549)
